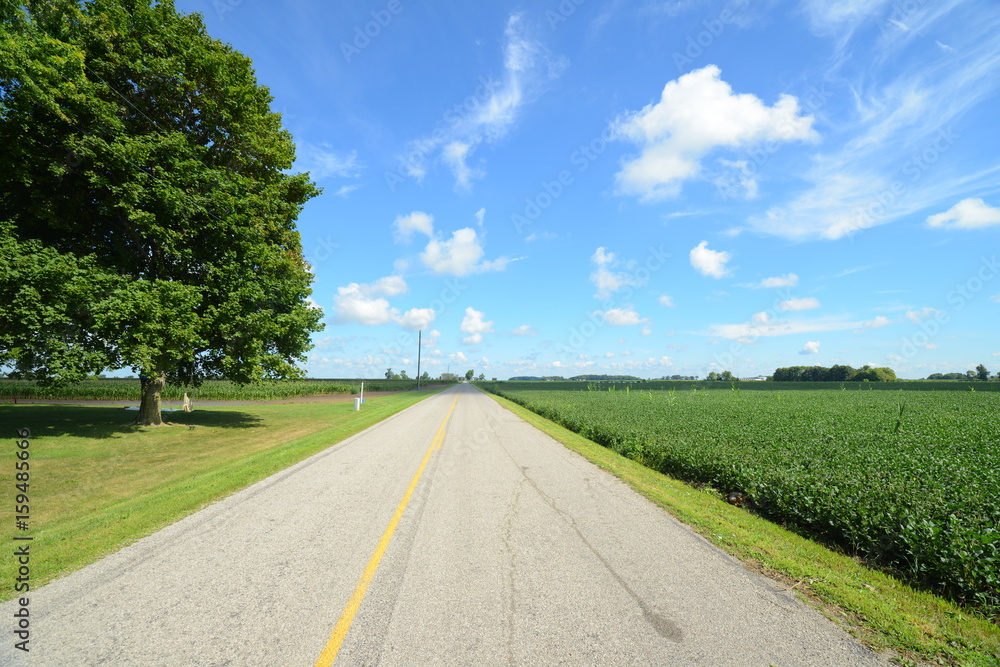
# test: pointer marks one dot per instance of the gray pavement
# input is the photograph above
(512, 551)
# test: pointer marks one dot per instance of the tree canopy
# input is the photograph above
(837, 373)
(147, 212)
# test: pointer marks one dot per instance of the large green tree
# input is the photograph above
(147, 209)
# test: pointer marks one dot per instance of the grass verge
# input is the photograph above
(881, 611)
(98, 484)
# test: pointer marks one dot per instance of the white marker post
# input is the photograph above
(362, 392)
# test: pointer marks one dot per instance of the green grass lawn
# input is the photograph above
(881, 611)
(98, 484)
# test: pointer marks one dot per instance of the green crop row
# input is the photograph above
(211, 390)
(751, 385)
(907, 480)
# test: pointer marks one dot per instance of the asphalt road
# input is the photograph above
(507, 549)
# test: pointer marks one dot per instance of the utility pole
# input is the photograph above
(420, 336)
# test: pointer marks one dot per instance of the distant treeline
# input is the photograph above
(577, 378)
(836, 373)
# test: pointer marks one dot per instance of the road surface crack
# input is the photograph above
(663, 626)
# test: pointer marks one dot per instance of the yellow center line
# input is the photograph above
(339, 633)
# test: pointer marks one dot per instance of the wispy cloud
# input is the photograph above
(322, 161)
(605, 279)
(789, 280)
(807, 303)
(527, 66)
(764, 325)
(892, 158)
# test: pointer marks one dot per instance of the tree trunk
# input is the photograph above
(149, 408)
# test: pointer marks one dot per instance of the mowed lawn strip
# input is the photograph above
(878, 609)
(98, 484)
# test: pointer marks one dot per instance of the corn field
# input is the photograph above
(211, 390)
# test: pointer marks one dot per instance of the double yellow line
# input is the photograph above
(340, 630)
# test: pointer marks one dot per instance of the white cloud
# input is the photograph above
(430, 338)
(474, 325)
(709, 262)
(388, 286)
(966, 214)
(607, 281)
(916, 316)
(762, 325)
(995, 298)
(366, 304)
(457, 256)
(417, 221)
(524, 330)
(666, 300)
(790, 280)
(622, 317)
(417, 319)
(697, 113)
(812, 347)
(647, 331)
(806, 303)
(879, 322)
(356, 303)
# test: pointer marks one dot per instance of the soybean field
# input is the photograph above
(906, 480)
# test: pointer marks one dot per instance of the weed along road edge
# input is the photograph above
(450, 533)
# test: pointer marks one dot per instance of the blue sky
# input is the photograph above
(643, 188)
